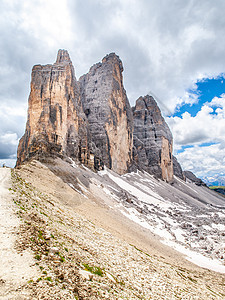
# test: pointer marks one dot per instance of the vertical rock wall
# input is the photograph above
(55, 122)
(152, 139)
(177, 170)
(92, 121)
(108, 112)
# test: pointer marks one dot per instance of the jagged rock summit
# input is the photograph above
(108, 112)
(91, 120)
(56, 123)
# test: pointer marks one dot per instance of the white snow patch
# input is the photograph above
(83, 189)
(202, 216)
(207, 227)
(197, 258)
(70, 184)
(86, 168)
(169, 220)
(158, 229)
(73, 164)
(180, 234)
(135, 191)
(184, 183)
(148, 190)
(220, 227)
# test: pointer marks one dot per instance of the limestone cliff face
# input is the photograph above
(108, 112)
(177, 170)
(56, 124)
(92, 121)
(152, 139)
(189, 176)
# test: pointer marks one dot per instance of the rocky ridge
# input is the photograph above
(91, 120)
(191, 177)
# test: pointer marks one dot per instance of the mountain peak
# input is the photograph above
(114, 59)
(62, 56)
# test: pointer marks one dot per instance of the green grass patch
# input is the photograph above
(30, 281)
(39, 279)
(38, 257)
(48, 279)
(94, 270)
(40, 235)
(213, 187)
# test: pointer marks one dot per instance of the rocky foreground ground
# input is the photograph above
(70, 257)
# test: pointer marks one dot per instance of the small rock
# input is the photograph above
(105, 287)
(110, 277)
(53, 250)
(86, 274)
(47, 235)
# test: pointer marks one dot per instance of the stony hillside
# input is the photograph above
(81, 247)
(105, 210)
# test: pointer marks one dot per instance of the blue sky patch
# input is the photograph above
(183, 148)
(206, 90)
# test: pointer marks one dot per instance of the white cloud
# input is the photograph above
(8, 162)
(208, 160)
(165, 46)
(208, 126)
(8, 145)
(9, 138)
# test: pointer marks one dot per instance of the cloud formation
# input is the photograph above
(205, 132)
(208, 126)
(165, 46)
(207, 160)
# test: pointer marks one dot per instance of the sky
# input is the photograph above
(173, 49)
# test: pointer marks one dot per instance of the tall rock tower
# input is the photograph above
(56, 123)
(152, 139)
(108, 112)
(90, 120)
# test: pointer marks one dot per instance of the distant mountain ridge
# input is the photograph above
(215, 180)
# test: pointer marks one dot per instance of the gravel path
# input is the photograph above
(15, 268)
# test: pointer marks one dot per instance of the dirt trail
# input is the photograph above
(15, 268)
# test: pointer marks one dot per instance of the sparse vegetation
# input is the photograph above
(213, 187)
(71, 242)
(94, 270)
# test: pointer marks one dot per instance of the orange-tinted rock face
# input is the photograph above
(152, 139)
(92, 121)
(54, 112)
